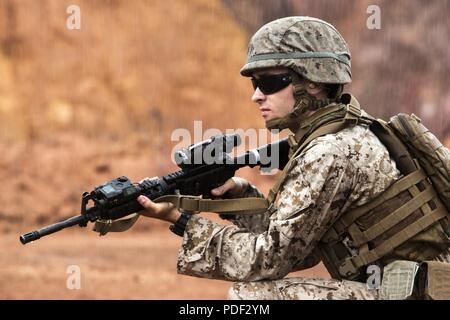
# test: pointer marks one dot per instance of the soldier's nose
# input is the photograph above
(258, 96)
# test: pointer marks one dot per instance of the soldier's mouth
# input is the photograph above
(265, 112)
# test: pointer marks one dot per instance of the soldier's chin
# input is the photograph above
(271, 123)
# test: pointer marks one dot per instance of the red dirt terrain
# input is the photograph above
(133, 265)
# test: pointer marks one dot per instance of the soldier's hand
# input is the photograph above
(233, 188)
(165, 211)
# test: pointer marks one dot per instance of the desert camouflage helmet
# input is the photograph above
(311, 47)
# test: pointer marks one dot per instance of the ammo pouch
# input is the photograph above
(409, 280)
(399, 280)
(434, 280)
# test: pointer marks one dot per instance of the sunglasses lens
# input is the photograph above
(272, 83)
(254, 83)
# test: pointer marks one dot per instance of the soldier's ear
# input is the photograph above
(314, 89)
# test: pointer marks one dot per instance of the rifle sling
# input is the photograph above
(193, 204)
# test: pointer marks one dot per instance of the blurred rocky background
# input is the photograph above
(80, 107)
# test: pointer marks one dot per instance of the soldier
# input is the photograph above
(298, 67)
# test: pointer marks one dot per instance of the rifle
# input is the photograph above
(204, 166)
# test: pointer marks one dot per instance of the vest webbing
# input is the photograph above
(361, 237)
(348, 218)
(351, 265)
(423, 200)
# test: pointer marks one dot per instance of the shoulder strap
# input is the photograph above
(326, 129)
(329, 120)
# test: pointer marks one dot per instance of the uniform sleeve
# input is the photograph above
(256, 223)
(312, 196)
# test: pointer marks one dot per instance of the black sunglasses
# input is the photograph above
(269, 84)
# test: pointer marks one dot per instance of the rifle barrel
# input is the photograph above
(36, 234)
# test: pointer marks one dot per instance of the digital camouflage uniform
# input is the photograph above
(336, 172)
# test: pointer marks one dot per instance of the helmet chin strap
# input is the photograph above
(304, 104)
